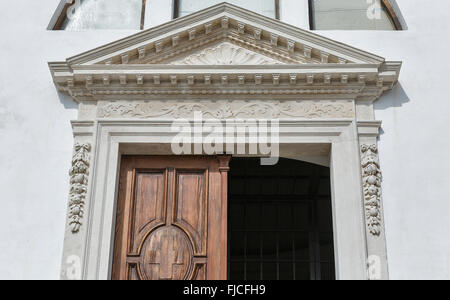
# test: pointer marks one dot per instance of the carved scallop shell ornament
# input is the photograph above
(226, 54)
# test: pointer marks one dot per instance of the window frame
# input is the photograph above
(386, 4)
(63, 15)
(176, 9)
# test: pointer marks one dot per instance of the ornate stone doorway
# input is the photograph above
(228, 63)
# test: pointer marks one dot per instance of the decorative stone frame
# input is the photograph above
(114, 138)
(321, 91)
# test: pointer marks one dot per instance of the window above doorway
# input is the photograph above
(353, 15)
(80, 15)
(76, 15)
(268, 8)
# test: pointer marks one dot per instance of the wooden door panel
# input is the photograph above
(132, 273)
(190, 207)
(200, 271)
(149, 207)
(170, 219)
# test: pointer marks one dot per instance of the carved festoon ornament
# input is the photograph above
(79, 173)
(372, 187)
(227, 109)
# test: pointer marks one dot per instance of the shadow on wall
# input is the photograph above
(394, 98)
(67, 101)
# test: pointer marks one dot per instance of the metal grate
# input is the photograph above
(280, 222)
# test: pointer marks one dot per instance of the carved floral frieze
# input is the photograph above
(79, 173)
(227, 109)
(372, 187)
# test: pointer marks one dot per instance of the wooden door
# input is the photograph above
(171, 219)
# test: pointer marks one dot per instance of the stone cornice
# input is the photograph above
(143, 63)
(363, 81)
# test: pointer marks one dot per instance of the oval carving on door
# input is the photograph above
(167, 254)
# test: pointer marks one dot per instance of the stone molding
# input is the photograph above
(227, 109)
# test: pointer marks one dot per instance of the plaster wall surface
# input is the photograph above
(36, 138)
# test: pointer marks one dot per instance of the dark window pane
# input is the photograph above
(237, 240)
(302, 246)
(238, 187)
(326, 247)
(253, 271)
(325, 187)
(286, 271)
(269, 216)
(302, 186)
(270, 271)
(302, 271)
(252, 216)
(253, 186)
(285, 216)
(253, 245)
(286, 245)
(269, 186)
(286, 186)
(301, 216)
(325, 216)
(237, 214)
(237, 271)
(270, 246)
(327, 271)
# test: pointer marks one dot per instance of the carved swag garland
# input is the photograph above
(225, 111)
(372, 187)
(78, 185)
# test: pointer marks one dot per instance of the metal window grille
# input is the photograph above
(280, 222)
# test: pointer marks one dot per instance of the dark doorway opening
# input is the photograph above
(280, 221)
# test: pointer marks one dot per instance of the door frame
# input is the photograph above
(92, 247)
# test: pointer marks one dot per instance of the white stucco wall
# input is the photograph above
(36, 137)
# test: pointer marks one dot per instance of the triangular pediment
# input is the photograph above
(224, 50)
(225, 22)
